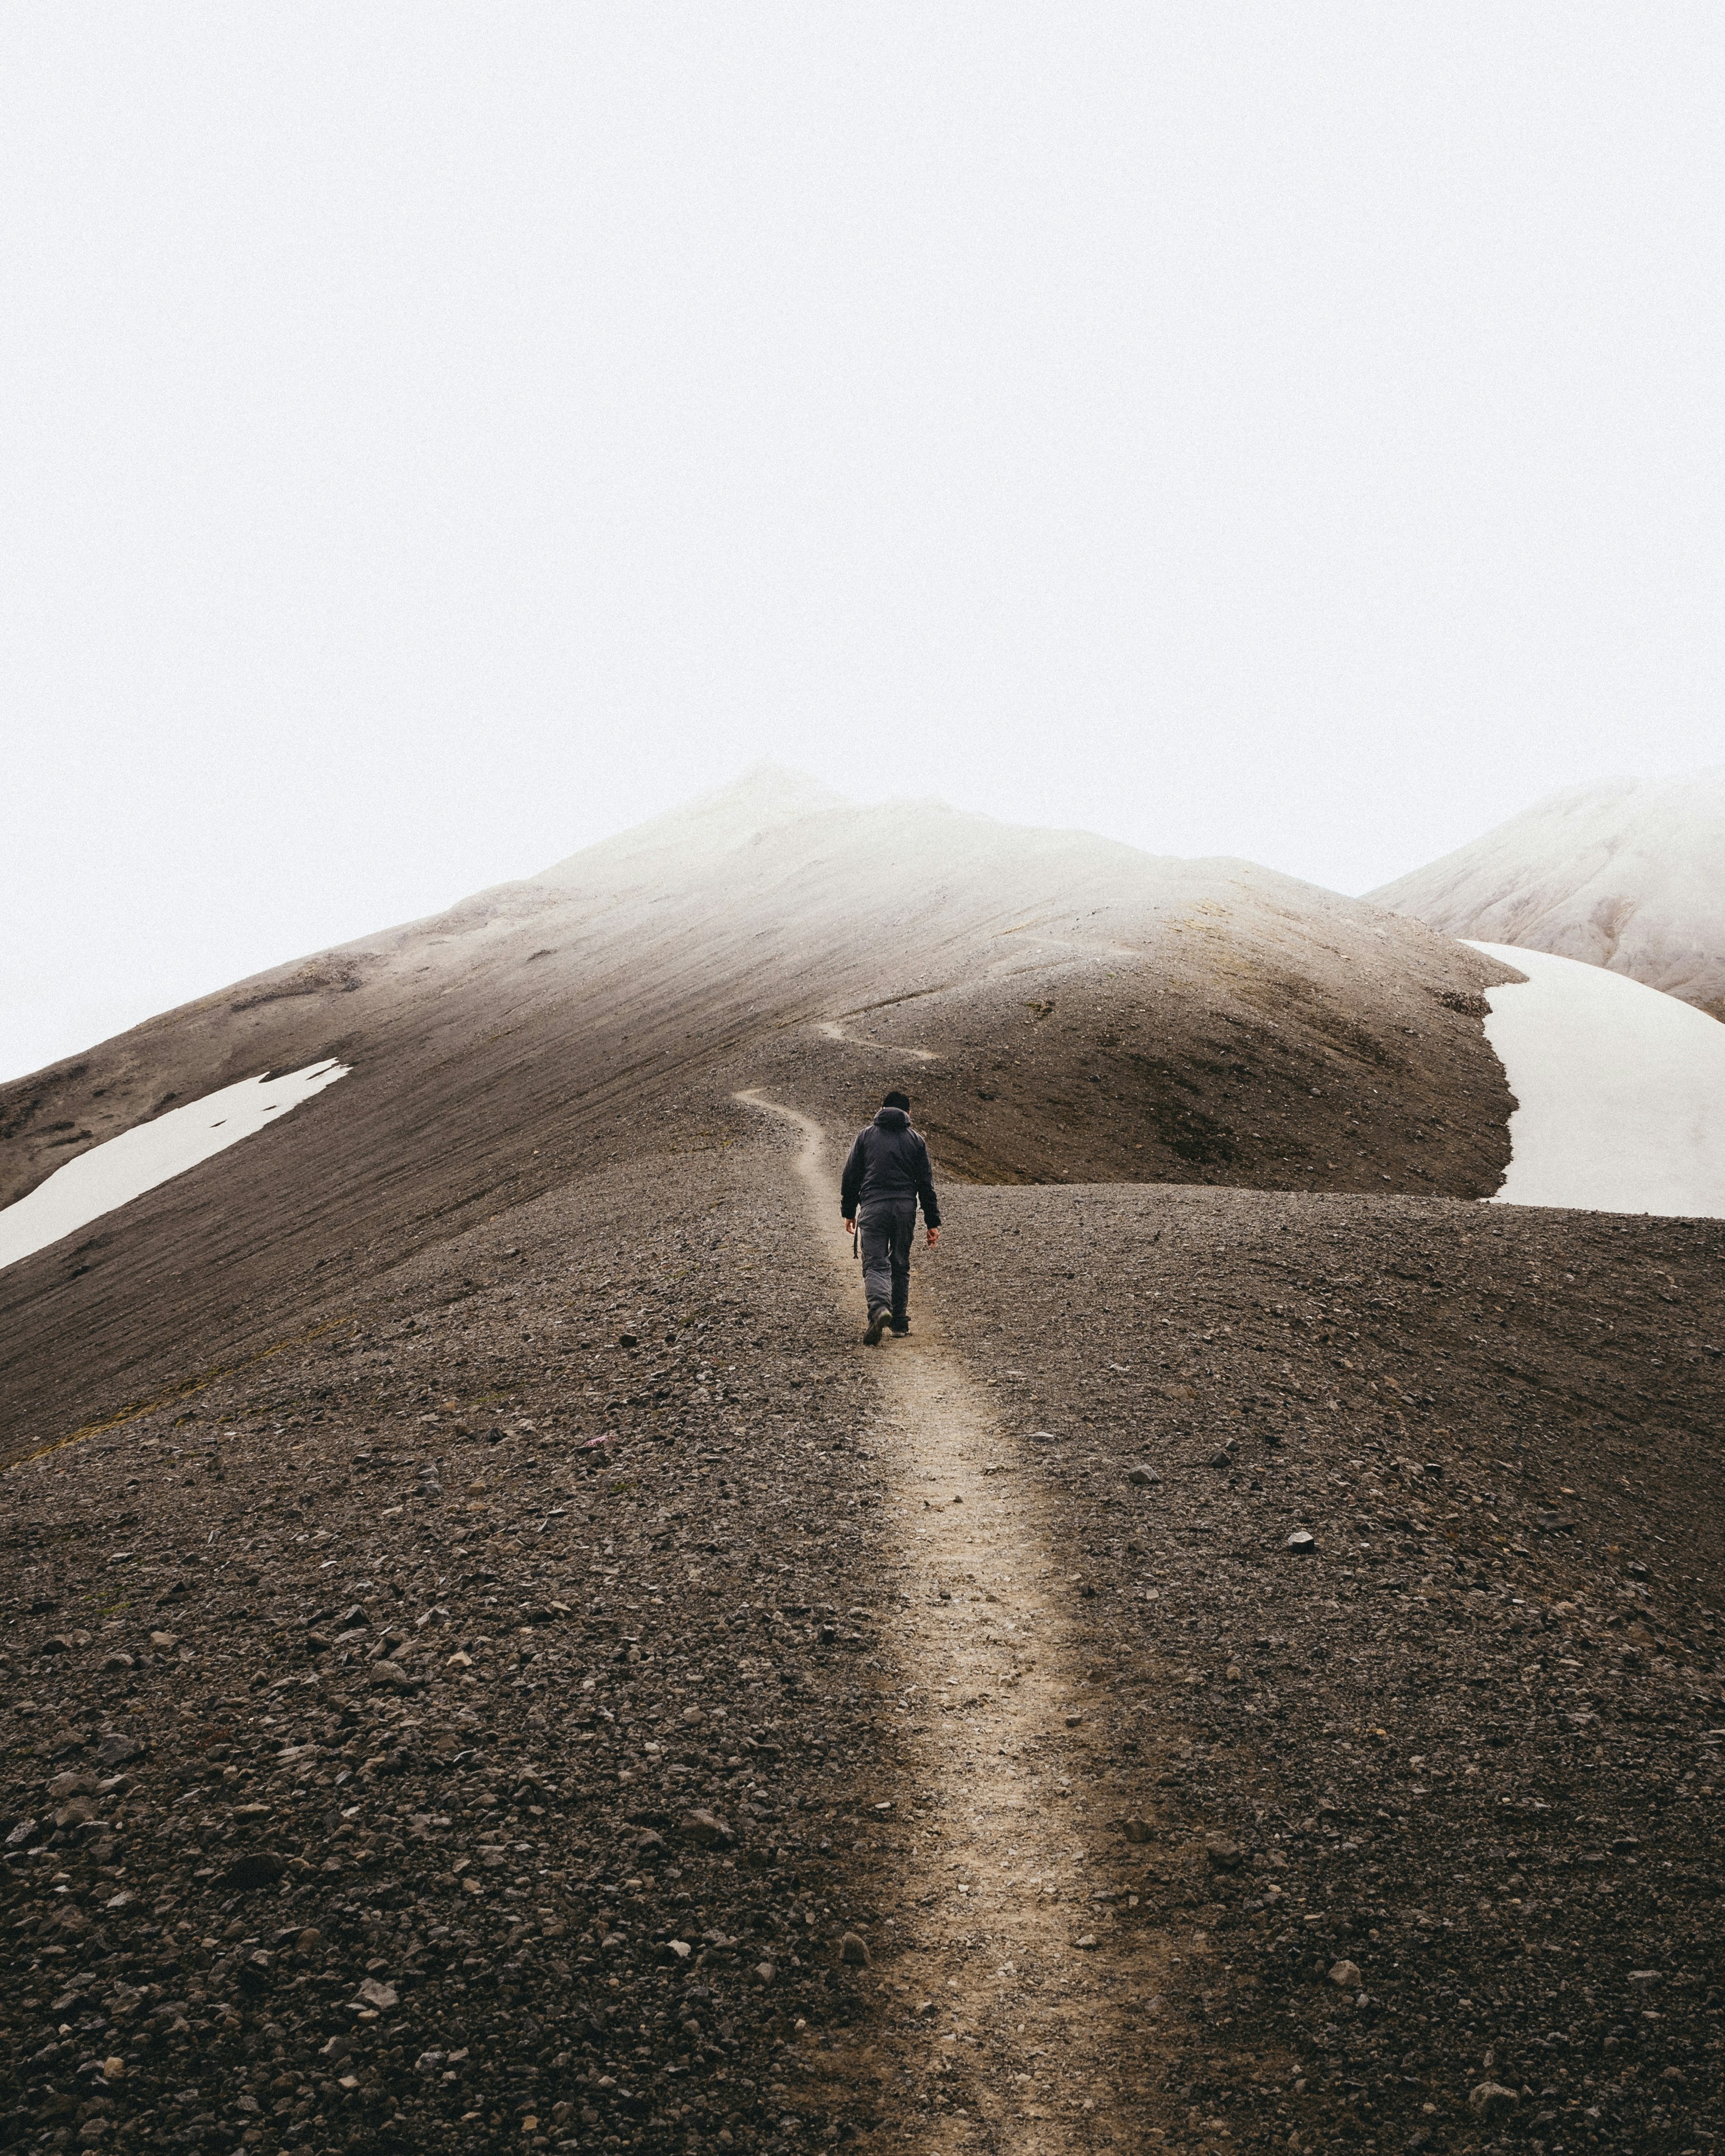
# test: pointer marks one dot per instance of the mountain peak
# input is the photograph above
(767, 796)
(770, 792)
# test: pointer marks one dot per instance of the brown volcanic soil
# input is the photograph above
(364, 1673)
(1090, 1011)
(1466, 1749)
(1469, 1744)
(339, 1657)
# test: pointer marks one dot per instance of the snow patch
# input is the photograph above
(1620, 1090)
(113, 1174)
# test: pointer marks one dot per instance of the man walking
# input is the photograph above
(887, 1172)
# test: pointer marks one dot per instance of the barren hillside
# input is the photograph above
(1625, 874)
(1064, 1007)
(493, 1663)
(581, 1697)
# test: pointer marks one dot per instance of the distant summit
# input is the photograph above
(766, 798)
(1628, 874)
(767, 795)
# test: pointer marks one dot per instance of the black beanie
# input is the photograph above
(897, 1101)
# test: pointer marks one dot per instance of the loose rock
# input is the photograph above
(1490, 2100)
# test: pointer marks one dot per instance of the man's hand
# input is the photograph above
(850, 1227)
(934, 1236)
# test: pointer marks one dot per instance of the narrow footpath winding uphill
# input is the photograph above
(393, 1765)
(1085, 1011)
(493, 1663)
(1000, 2026)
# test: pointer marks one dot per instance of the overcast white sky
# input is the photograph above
(432, 436)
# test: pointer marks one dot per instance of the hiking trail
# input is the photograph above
(829, 1029)
(1008, 2006)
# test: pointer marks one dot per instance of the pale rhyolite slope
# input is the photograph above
(1619, 1091)
(1629, 874)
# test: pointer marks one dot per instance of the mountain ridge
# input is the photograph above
(497, 1664)
(1624, 873)
(1063, 1008)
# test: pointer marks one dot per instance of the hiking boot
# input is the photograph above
(877, 1325)
(900, 1325)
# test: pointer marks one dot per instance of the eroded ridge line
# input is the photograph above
(1004, 1998)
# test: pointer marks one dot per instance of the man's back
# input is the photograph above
(889, 1160)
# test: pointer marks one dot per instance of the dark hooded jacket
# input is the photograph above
(889, 1160)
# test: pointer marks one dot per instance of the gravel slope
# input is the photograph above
(1461, 1756)
(371, 1739)
(250, 1773)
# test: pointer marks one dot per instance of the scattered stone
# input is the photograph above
(853, 1951)
(1301, 1543)
(274, 1706)
(1490, 2100)
(1224, 1855)
(257, 1867)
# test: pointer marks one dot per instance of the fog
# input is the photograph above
(437, 437)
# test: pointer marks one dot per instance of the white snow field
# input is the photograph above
(113, 1174)
(1621, 1090)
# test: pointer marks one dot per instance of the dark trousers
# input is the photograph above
(888, 1227)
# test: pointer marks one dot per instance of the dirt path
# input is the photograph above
(1011, 2004)
(1083, 948)
(831, 1030)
